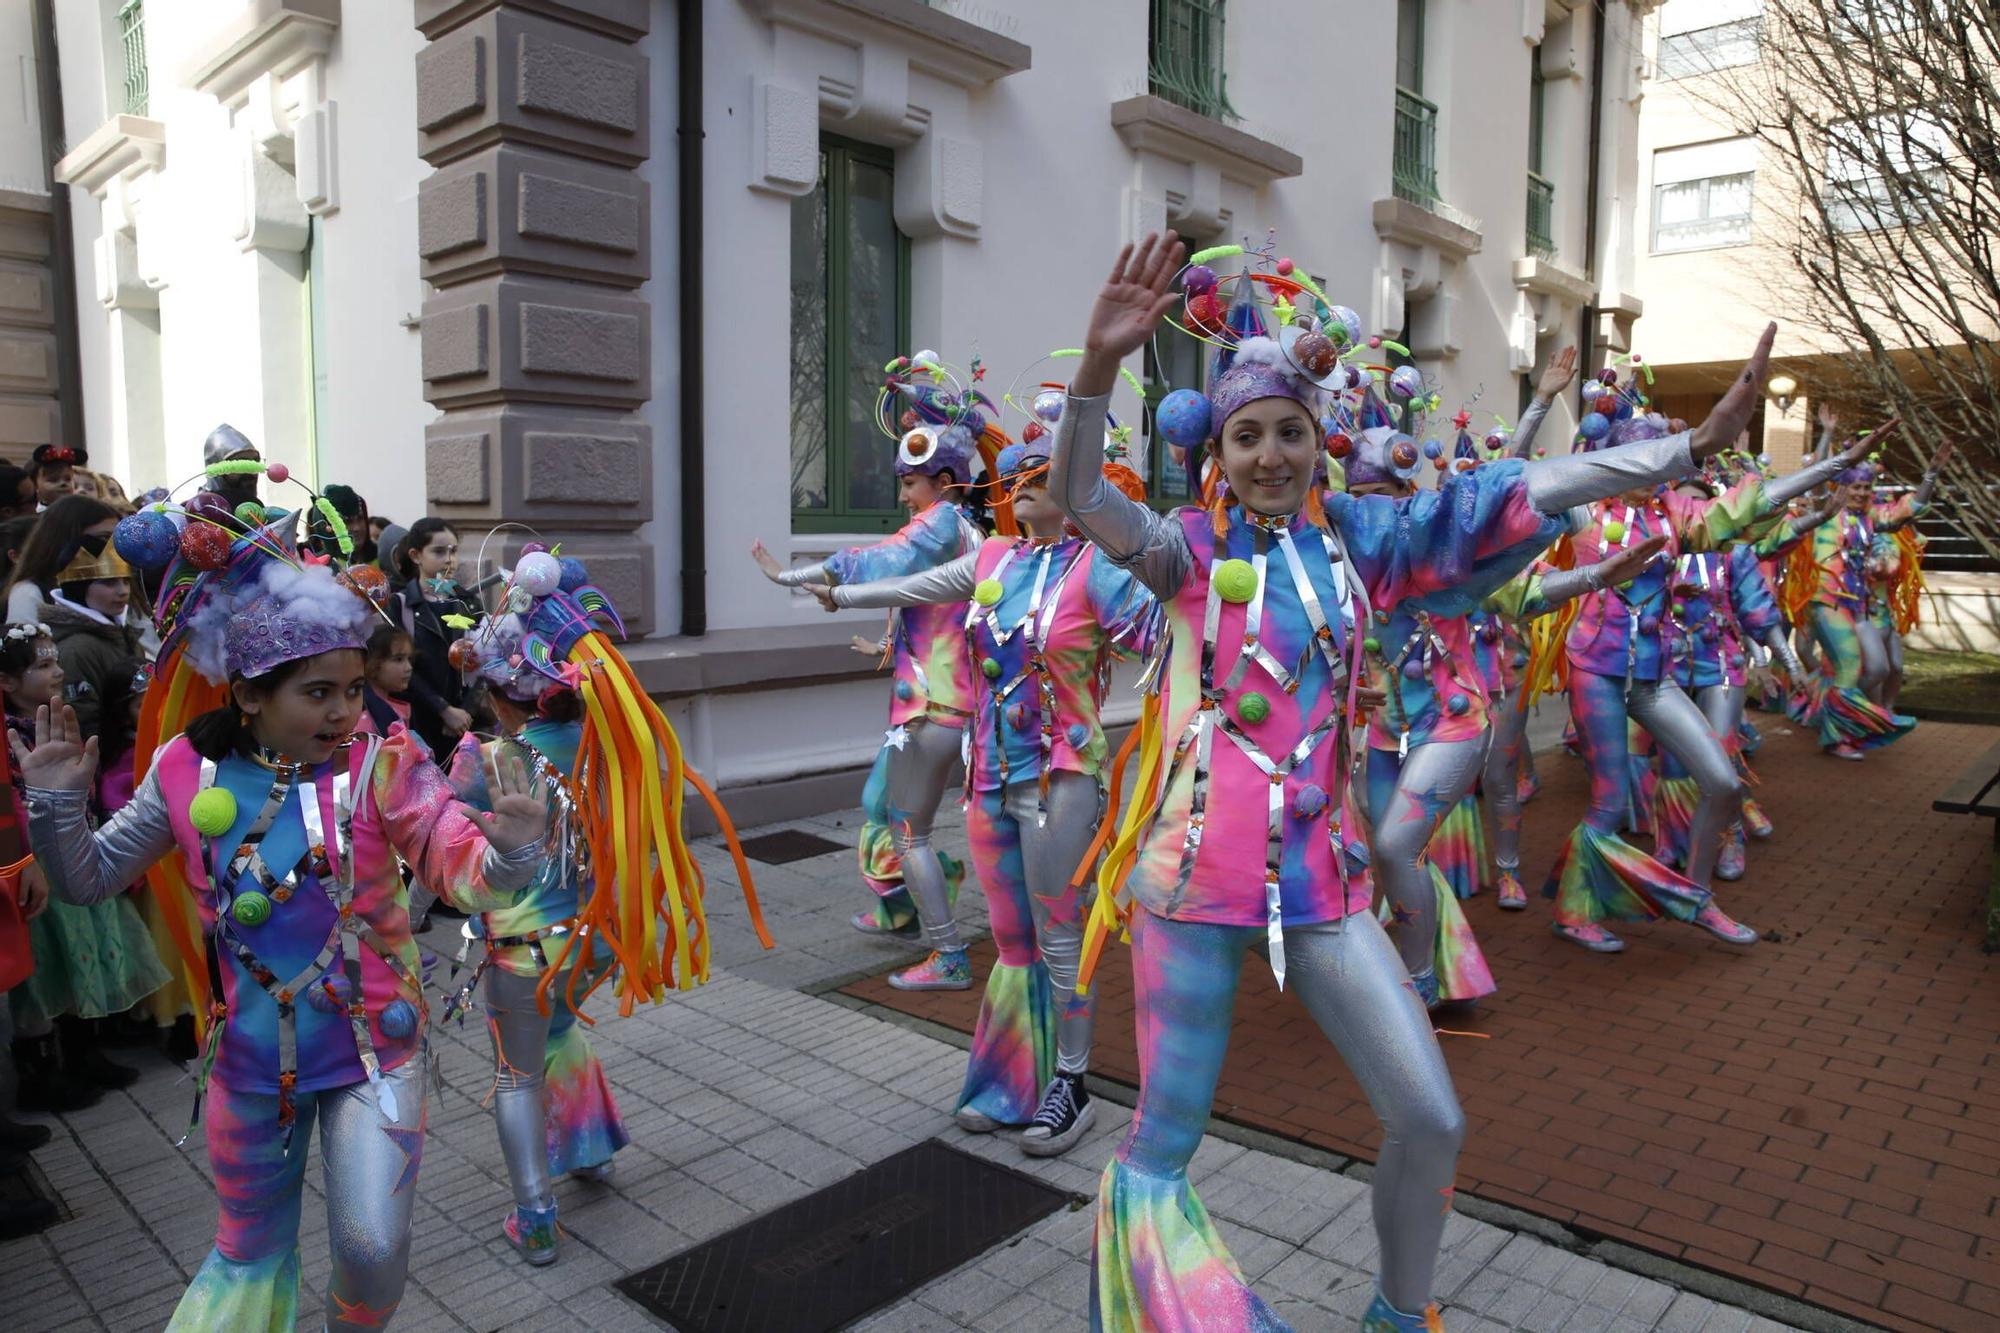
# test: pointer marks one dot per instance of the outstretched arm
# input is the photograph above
(931, 587)
(811, 572)
(1561, 370)
(83, 866)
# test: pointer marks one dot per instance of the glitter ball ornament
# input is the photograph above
(1606, 403)
(987, 592)
(1205, 313)
(462, 655)
(1049, 405)
(1593, 389)
(1183, 417)
(1197, 278)
(990, 669)
(209, 505)
(147, 539)
(1403, 454)
(399, 1020)
(1235, 581)
(533, 548)
(1340, 444)
(1406, 381)
(1253, 708)
(1594, 426)
(1315, 354)
(1033, 431)
(251, 909)
(574, 574)
(205, 546)
(212, 812)
(538, 574)
(1344, 326)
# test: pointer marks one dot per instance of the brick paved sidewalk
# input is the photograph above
(741, 1097)
(1818, 1115)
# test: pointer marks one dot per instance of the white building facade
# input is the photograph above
(469, 256)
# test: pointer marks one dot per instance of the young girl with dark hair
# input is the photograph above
(428, 599)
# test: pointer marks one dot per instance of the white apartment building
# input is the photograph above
(628, 270)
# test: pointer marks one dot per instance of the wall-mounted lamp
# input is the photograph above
(1782, 390)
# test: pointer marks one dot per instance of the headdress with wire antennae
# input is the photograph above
(940, 423)
(1616, 409)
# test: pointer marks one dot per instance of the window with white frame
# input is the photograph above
(1888, 170)
(1702, 36)
(1701, 195)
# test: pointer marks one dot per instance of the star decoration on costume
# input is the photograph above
(896, 737)
(1121, 434)
(1285, 310)
(456, 621)
(1462, 420)
(1401, 916)
(409, 1142)
(360, 1313)
(978, 370)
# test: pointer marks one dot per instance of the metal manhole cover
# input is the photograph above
(859, 1244)
(788, 845)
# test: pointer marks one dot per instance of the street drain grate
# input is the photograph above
(788, 845)
(857, 1245)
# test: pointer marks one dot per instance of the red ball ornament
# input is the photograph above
(1315, 354)
(205, 546)
(277, 471)
(462, 655)
(1033, 431)
(1284, 268)
(1404, 453)
(1339, 444)
(1205, 313)
(1608, 404)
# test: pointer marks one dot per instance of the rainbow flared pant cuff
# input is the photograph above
(1159, 1264)
(1849, 717)
(582, 1117)
(1458, 848)
(1601, 877)
(1462, 972)
(1014, 1046)
(1674, 802)
(244, 1296)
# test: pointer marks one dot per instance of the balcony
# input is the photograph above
(1541, 217)
(1184, 62)
(1413, 168)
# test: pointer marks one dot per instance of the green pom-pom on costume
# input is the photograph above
(1235, 581)
(987, 592)
(1253, 708)
(990, 669)
(1614, 532)
(251, 513)
(251, 909)
(213, 812)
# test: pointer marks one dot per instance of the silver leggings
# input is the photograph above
(1875, 661)
(1435, 776)
(1892, 679)
(918, 776)
(1356, 988)
(1502, 780)
(1686, 732)
(1049, 857)
(520, 1049)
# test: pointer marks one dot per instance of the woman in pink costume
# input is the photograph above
(1620, 674)
(1241, 828)
(938, 427)
(1046, 612)
(281, 835)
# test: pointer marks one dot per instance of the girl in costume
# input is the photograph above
(1619, 675)
(1044, 614)
(941, 429)
(1241, 827)
(273, 835)
(91, 960)
(1835, 566)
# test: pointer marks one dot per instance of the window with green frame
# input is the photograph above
(1174, 360)
(850, 317)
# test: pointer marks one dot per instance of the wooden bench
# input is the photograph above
(1977, 792)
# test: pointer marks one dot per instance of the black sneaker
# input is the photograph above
(1065, 1114)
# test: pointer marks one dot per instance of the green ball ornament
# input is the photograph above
(1235, 581)
(213, 812)
(251, 909)
(1253, 708)
(1371, 644)
(1614, 532)
(251, 513)
(990, 669)
(987, 592)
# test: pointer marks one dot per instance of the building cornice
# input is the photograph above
(938, 43)
(119, 149)
(269, 37)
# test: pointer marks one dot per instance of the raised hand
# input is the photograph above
(1627, 562)
(519, 816)
(1829, 420)
(765, 560)
(62, 759)
(1729, 417)
(1128, 308)
(1561, 370)
(1940, 458)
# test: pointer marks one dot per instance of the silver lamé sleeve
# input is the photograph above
(86, 866)
(1150, 544)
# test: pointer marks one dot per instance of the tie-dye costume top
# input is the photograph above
(928, 641)
(1041, 623)
(1431, 670)
(278, 931)
(1842, 547)
(1620, 632)
(552, 898)
(1495, 647)
(1720, 601)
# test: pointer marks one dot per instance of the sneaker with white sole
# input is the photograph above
(1513, 897)
(1591, 936)
(532, 1232)
(1730, 861)
(869, 923)
(945, 969)
(1066, 1112)
(974, 1121)
(1723, 926)
(1755, 820)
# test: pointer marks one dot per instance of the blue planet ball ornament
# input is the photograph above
(1049, 405)
(399, 1020)
(1183, 417)
(1406, 382)
(1594, 426)
(1433, 450)
(147, 539)
(329, 994)
(574, 574)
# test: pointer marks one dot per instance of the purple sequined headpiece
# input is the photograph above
(280, 613)
(1247, 382)
(1859, 474)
